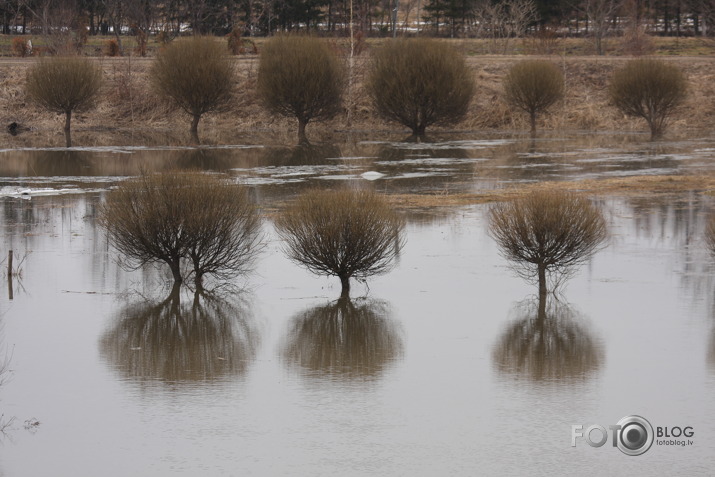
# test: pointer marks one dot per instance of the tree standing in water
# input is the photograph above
(342, 233)
(547, 232)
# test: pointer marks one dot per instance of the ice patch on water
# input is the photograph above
(130, 149)
(27, 193)
(372, 175)
(432, 161)
(466, 144)
(418, 175)
(339, 177)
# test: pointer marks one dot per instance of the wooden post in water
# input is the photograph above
(9, 274)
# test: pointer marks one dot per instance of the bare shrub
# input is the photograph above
(142, 40)
(650, 89)
(533, 86)
(342, 233)
(64, 85)
(196, 75)
(20, 47)
(501, 21)
(299, 76)
(419, 83)
(111, 48)
(547, 232)
(183, 216)
(636, 41)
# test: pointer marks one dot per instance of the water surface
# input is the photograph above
(442, 367)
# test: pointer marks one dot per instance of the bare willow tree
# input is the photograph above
(197, 75)
(420, 82)
(64, 85)
(342, 233)
(179, 216)
(300, 77)
(650, 89)
(547, 233)
(533, 86)
(601, 15)
(502, 21)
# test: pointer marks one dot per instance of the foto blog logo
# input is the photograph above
(633, 435)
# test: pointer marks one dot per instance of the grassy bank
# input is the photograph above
(128, 112)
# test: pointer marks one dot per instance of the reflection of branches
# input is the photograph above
(546, 343)
(61, 163)
(301, 155)
(203, 160)
(5, 423)
(711, 351)
(174, 341)
(344, 339)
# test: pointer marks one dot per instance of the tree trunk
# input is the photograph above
(345, 282)
(195, 129)
(199, 281)
(542, 309)
(175, 266)
(9, 275)
(302, 138)
(532, 119)
(68, 134)
(419, 132)
(542, 282)
(656, 131)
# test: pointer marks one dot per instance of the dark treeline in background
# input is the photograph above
(449, 18)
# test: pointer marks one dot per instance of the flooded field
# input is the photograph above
(441, 367)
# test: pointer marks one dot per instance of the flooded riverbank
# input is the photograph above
(443, 366)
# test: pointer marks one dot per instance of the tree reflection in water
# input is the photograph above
(173, 340)
(344, 340)
(547, 342)
(711, 352)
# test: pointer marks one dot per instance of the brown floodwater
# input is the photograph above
(445, 366)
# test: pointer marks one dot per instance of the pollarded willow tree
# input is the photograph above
(547, 233)
(650, 89)
(300, 77)
(64, 85)
(420, 82)
(533, 86)
(204, 221)
(197, 75)
(342, 233)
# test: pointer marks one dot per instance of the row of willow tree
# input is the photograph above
(199, 224)
(415, 82)
(484, 18)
